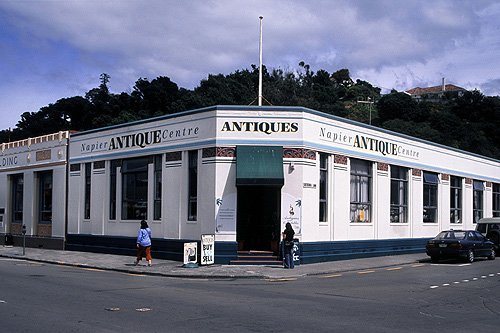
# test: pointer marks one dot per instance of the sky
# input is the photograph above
(53, 49)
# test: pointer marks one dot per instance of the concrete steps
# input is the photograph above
(256, 258)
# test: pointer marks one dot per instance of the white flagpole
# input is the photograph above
(260, 63)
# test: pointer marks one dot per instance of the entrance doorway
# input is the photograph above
(258, 220)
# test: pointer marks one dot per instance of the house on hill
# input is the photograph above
(436, 93)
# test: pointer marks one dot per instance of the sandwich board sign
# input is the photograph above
(207, 249)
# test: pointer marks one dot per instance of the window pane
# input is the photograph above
(135, 188)
(45, 207)
(360, 192)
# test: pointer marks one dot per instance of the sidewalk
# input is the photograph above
(171, 268)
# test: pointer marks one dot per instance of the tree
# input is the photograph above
(343, 78)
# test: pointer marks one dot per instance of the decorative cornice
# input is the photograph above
(299, 153)
(340, 159)
(173, 156)
(382, 166)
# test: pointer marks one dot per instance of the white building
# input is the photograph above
(241, 173)
(33, 190)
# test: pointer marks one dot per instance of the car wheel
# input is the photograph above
(435, 259)
(492, 254)
(470, 256)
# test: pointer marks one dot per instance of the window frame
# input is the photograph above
(88, 188)
(17, 197)
(45, 197)
(323, 187)
(192, 210)
(477, 200)
(456, 197)
(157, 188)
(402, 185)
(113, 166)
(430, 192)
(135, 184)
(361, 187)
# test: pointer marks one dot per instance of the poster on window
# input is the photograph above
(291, 212)
(190, 251)
(225, 214)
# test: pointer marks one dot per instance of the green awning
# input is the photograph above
(259, 165)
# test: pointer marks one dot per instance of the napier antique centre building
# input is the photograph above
(241, 173)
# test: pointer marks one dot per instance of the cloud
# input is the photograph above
(66, 45)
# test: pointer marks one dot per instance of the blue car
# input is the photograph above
(459, 244)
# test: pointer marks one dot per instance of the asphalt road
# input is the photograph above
(445, 297)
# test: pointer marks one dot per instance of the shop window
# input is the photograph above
(17, 197)
(192, 185)
(455, 200)
(157, 187)
(361, 188)
(112, 189)
(45, 197)
(399, 194)
(478, 200)
(323, 187)
(430, 203)
(88, 179)
(496, 200)
(135, 188)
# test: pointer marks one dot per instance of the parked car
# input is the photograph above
(459, 244)
(490, 227)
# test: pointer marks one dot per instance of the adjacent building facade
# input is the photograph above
(33, 190)
(241, 173)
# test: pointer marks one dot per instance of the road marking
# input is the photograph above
(473, 279)
(329, 276)
(143, 309)
(113, 309)
(192, 279)
(394, 268)
(94, 269)
(35, 262)
(418, 265)
(61, 262)
(279, 280)
(134, 274)
(366, 272)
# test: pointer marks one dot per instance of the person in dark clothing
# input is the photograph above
(288, 235)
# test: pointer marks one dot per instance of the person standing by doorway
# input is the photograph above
(144, 243)
(288, 235)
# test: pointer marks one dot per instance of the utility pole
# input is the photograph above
(369, 102)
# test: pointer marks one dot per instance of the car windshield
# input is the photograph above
(451, 235)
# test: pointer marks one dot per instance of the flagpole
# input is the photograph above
(260, 63)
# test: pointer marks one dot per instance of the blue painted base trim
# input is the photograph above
(313, 252)
(310, 252)
(169, 249)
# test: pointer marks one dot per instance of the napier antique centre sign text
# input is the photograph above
(139, 139)
(383, 147)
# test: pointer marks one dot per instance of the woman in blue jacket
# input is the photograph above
(144, 243)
